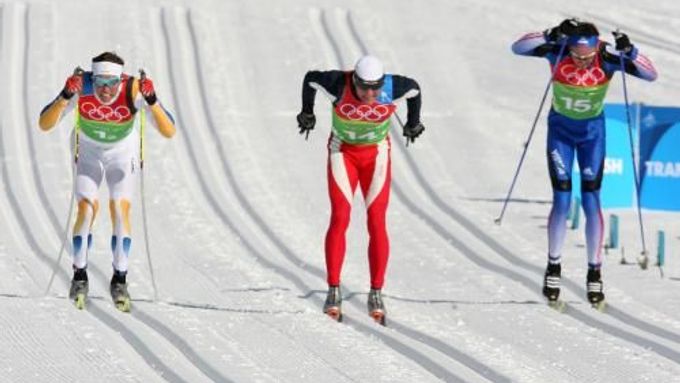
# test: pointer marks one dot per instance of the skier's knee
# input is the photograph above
(87, 212)
(590, 185)
(561, 185)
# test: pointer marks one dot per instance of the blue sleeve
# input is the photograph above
(534, 44)
(634, 63)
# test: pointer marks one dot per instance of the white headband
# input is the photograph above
(107, 68)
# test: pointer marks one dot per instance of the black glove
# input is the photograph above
(306, 122)
(622, 42)
(411, 132)
(566, 29)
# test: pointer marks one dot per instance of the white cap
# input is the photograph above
(369, 68)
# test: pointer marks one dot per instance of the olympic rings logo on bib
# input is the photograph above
(582, 77)
(105, 112)
(364, 112)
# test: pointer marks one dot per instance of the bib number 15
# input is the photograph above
(580, 105)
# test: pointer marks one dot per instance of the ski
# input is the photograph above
(120, 296)
(78, 293)
(600, 306)
(558, 305)
(334, 313)
(79, 301)
(123, 304)
(379, 317)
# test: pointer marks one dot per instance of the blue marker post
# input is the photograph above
(613, 231)
(661, 251)
(577, 214)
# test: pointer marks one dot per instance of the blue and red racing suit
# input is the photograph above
(359, 154)
(576, 125)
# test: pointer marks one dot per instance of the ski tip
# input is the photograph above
(334, 313)
(124, 305)
(558, 305)
(79, 301)
(600, 306)
(378, 316)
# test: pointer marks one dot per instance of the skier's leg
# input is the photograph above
(591, 162)
(89, 174)
(342, 181)
(560, 154)
(375, 178)
(121, 178)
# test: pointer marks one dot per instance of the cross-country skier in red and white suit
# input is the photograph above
(359, 154)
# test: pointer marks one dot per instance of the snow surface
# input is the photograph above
(237, 205)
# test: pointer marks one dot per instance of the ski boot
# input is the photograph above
(551, 286)
(376, 307)
(333, 305)
(119, 292)
(594, 289)
(79, 288)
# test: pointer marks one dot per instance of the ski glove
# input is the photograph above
(411, 132)
(74, 84)
(566, 28)
(622, 42)
(147, 90)
(306, 122)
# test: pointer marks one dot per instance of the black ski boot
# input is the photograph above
(376, 307)
(333, 305)
(119, 292)
(594, 288)
(551, 282)
(79, 288)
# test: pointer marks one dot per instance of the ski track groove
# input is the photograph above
(640, 35)
(506, 254)
(132, 339)
(182, 345)
(396, 345)
(11, 194)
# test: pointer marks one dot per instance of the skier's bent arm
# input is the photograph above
(634, 63)
(331, 83)
(404, 87)
(161, 118)
(53, 113)
(534, 44)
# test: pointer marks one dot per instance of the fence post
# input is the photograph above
(577, 214)
(661, 248)
(613, 231)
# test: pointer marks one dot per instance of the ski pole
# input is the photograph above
(142, 124)
(78, 71)
(401, 124)
(499, 220)
(643, 260)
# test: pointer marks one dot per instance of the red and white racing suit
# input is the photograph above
(358, 155)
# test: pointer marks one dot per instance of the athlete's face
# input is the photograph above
(583, 55)
(106, 87)
(367, 95)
